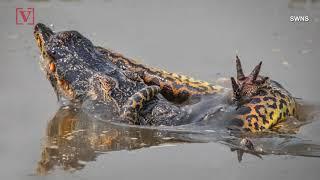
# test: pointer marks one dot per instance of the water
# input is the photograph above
(199, 39)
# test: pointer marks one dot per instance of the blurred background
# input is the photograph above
(196, 38)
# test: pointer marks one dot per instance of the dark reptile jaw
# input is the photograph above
(42, 36)
(42, 31)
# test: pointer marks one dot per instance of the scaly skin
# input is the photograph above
(174, 87)
(263, 103)
(268, 106)
(78, 70)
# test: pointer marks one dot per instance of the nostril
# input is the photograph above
(36, 28)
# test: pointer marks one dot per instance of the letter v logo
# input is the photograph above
(25, 16)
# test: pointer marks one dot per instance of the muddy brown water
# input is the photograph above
(196, 38)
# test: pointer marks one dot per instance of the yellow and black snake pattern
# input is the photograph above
(266, 109)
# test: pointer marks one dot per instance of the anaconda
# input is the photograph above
(141, 95)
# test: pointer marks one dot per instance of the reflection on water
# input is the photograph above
(73, 138)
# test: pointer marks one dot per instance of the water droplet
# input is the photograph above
(82, 162)
(305, 51)
(275, 50)
(223, 81)
(167, 138)
(209, 130)
(13, 36)
(66, 107)
(69, 138)
(54, 147)
(52, 27)
(285, 63)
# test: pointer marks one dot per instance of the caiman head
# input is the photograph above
(261, 102)
(69, 61)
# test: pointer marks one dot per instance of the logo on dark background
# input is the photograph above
(25, 16)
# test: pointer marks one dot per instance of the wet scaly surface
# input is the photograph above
(199, 39)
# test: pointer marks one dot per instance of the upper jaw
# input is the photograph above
(42, 35)
(42, 31)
